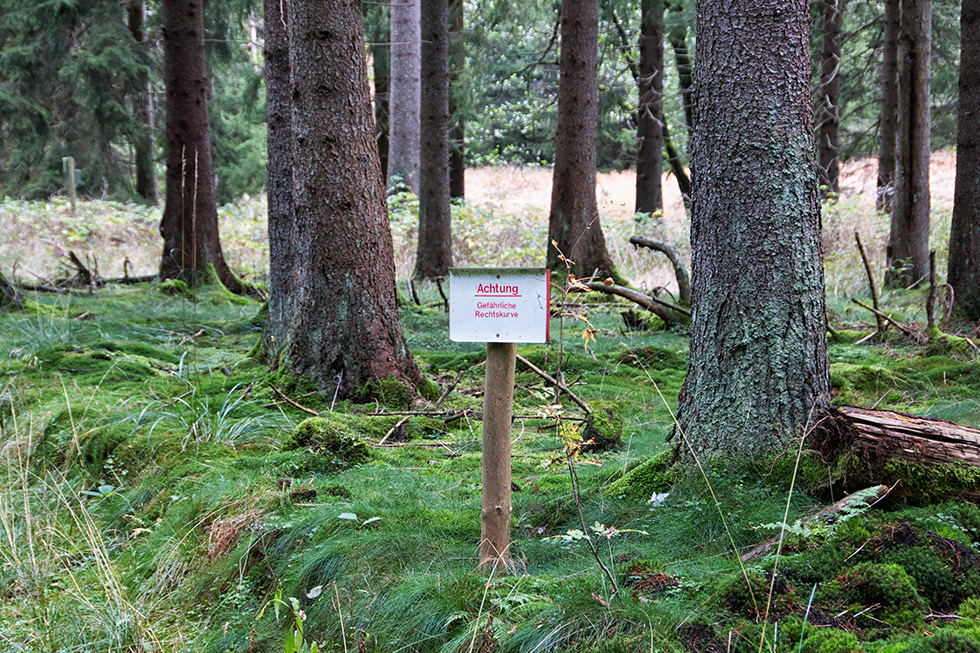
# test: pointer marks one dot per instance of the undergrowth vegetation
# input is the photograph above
(158, 494)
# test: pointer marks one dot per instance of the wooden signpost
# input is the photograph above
(501, 307)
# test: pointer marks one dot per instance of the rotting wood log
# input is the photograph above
(669, 313)
(876, 438)
(680, 272)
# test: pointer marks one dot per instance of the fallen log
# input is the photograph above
(680, 272)
(929, 458)
(669, 313)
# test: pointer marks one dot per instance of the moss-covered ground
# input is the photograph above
(156, 495)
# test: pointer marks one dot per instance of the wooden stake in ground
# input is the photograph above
(498, 406)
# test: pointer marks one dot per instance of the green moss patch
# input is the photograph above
(329, 438)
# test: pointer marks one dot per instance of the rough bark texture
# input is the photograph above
(828, 109)
(457, 123)
(343, 323)
(434, 255)
(649, 128)
(146, 176)
(888, 126)
(574, 220)
(964, 239)
(282, 222)
(908, 239)
(190, 217)
(405, 88)
(758, 363)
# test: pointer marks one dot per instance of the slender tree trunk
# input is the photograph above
(434, 255)
(828, 121)
(146, 176)
(677, 35)
(888, 125)
(758, 366)
(282, 220)
(190, 216)
(457, 93)
(405, 92)
(573, 225)
(379, 36)
(908, 240)
(343, 323)
(964, 238)
(649, 130)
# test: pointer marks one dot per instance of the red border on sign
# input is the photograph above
(547, 314)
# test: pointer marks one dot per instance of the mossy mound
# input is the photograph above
(328, 438)
(653, 475)
(389, 391)
(603, 428)
(658, 358)
(853, 383)
(97, 367)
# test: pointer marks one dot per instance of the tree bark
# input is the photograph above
(191, 244)
(146, 177)
(888, 125)
(457, 93)
(343, 324)
(828, 121)
(405, 88)
(649, 129)
(758, 364)
(574, 231)
(677, 35)
(434, 254)
(908, 239)
(964, 239)
(9, 297)
(282, 219)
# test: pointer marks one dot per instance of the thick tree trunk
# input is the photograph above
(828, 113)
(405, 88)
(908, 240)
(888, 125)
(434, 255)
(190, 216)
(573, 225)
(964, 239)
(343, 324)
(146, 176)
(379, 36)
(282, 219)
(758, 363)
(457, 93)
(649, 128)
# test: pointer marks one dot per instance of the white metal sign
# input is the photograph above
(499, 304)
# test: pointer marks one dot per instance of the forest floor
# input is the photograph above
(157, 494)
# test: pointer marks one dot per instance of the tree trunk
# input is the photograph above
(574, 231)
(888, 125)
(146, 176)
(343, 323)
(758, 363)
(405, 92)
(964, 238)
(189, 227)
(457, 93)
(677, 35)
(379, 36)
(828, 121)
(908, 240)
(9, 297)
(434, 255)
(649, 129)
(282, 220)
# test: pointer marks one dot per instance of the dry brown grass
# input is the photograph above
(506, 226)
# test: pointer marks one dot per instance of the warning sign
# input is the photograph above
(499, 304)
